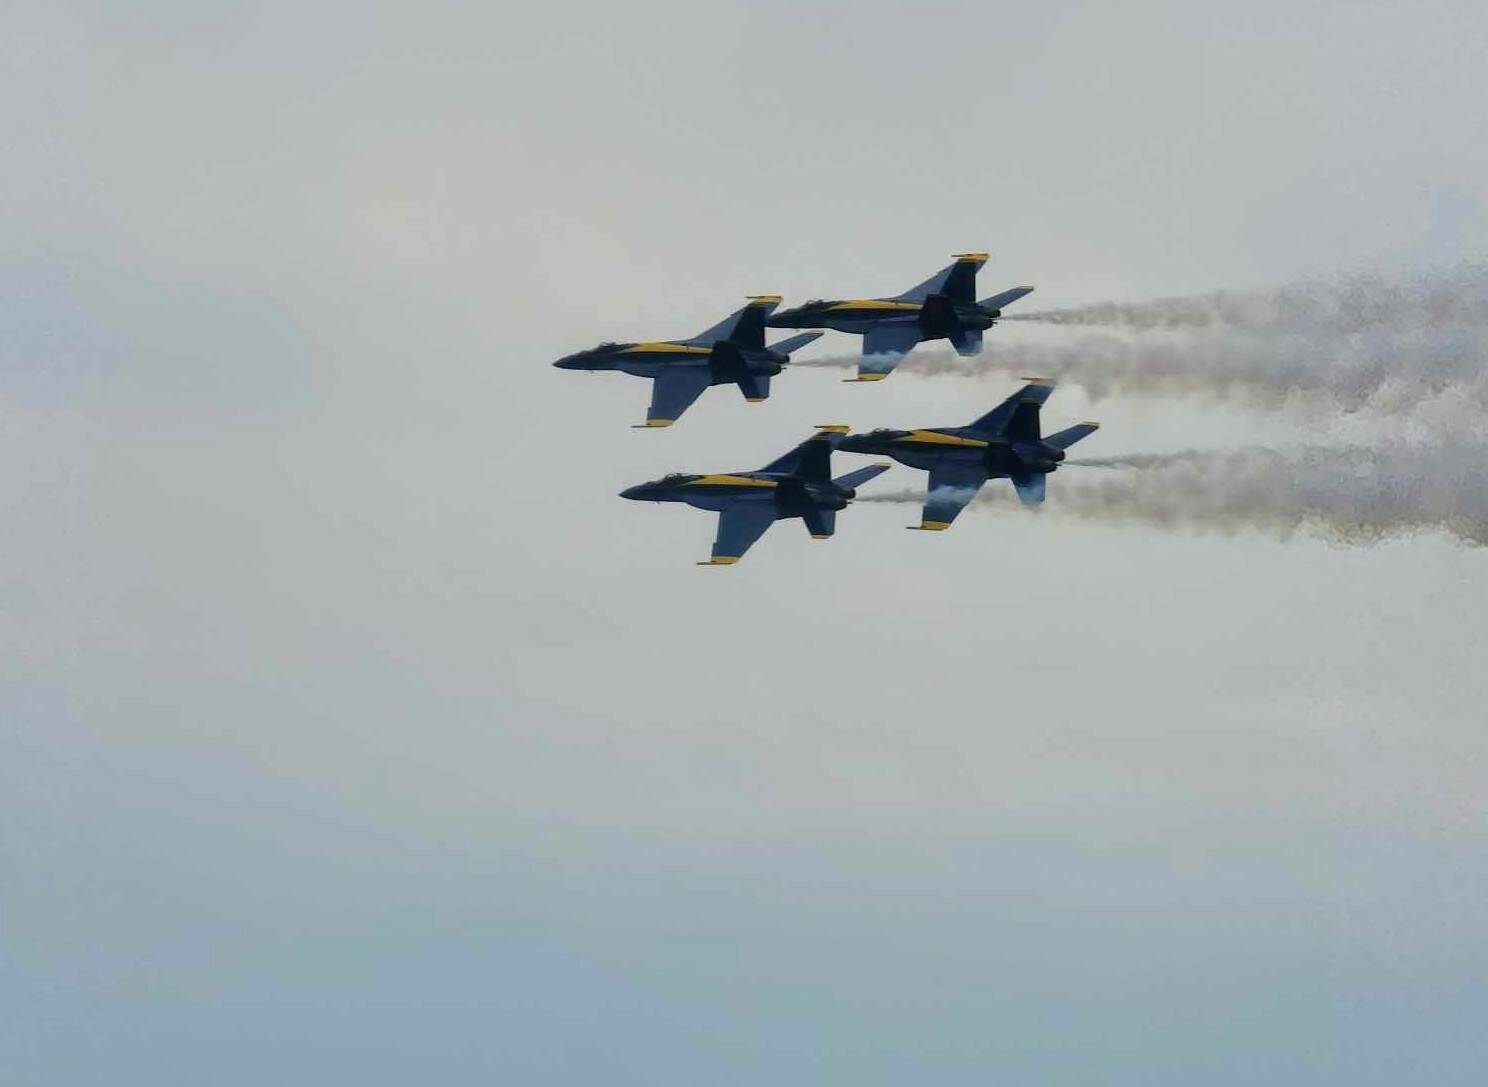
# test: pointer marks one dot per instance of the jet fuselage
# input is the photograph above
(727, 362)
(937, 318)
(924, 449)
(791, 495)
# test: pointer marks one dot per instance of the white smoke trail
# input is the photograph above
(1355, 494)
(1340, 306)
(1385, 369)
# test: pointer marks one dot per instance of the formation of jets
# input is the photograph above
(1006, 442)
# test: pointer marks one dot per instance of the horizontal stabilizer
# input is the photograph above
(1066, 438)
(820, 523)
(967, 342)
(1030, 488)
(1012, 294)
(860, 476)
(755, 387)
(791, 344)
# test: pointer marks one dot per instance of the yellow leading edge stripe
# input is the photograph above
(931, 437)
(666, 349)
(729, 481)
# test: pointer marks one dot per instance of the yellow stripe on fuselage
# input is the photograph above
(934, 437)
(666, 349)
(729, 481)
(872, 304)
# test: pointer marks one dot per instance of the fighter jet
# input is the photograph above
(1004, 442)
(731, 352)
(944, 307)
(799, 484)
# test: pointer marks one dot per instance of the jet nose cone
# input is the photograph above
(636, 492)
(570, 362)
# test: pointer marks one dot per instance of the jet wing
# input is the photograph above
(673, 392)
(952, 485)
(739, 525)
(883, 346)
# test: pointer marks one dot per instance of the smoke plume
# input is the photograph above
(1344, 306)
(1383, 369)
(1354, 495)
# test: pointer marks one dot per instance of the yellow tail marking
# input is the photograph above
(866, 377)
(971, 256)
(833, 428)
(650, 423)
(721, 560)
(763, 297)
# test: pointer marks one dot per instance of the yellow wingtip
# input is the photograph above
(652, 424)
(821, 536)
(721, 560)
(866, 377)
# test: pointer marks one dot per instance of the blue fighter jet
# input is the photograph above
(1005, 442)
(732, 352)
(944, 307)
(799, 484)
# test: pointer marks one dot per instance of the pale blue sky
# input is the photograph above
(351, 729)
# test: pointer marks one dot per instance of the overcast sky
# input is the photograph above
(353, 730)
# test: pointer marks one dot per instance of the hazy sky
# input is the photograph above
(353, 730)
